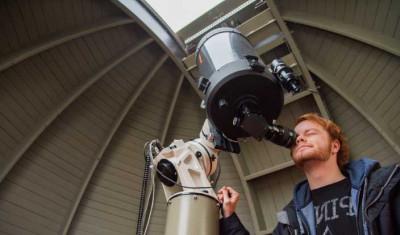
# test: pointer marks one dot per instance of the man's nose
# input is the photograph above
(299, 139)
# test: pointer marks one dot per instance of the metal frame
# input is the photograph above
(247, 192)
(299, 58)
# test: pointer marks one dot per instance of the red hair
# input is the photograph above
(334, 131)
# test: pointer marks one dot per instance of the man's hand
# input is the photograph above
(229, 199)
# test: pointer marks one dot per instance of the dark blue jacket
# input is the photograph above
(375, 194)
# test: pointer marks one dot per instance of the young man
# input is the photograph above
(338, 197)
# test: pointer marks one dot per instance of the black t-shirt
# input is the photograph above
(334, 212)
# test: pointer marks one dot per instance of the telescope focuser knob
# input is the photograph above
(204, 83)
(254, 64)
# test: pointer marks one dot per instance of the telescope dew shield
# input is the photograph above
(234, 78)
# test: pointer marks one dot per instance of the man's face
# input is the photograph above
(313, 143)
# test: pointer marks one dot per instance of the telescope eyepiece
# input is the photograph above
(285, 76)
(281, 135)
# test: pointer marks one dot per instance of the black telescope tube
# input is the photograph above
(232, 74)
(241, 97)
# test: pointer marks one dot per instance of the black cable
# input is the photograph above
(139, 227)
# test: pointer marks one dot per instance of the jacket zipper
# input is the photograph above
(290, 229)
(358, 213)
(362, 203)
(381, 190)
(364, 212)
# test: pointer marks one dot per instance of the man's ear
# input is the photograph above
(335, 146)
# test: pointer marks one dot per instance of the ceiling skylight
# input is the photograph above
(179, 13)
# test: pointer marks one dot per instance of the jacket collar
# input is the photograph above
(356, 171)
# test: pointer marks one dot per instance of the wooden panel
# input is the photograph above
(375, 16)
(273, 192)
(269, 170)
(260, 35)
(364, 141)
(13, 229)
(38, 193)
(386, 81)
(381, 15)
(359, 13)
(30, 219)
(88, 117)
(35, 87)
(360, 62)
(365, 76)
(389, 108)
(257, 22)
(392, 18)
(115, 186)
(158, 219)
(325, 48)
(229, 177)
(186, 124)
(379, 61)
(188, 118)
(371, 10)
(30, 22)
(113, 128)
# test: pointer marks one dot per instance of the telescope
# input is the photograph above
(242, 98)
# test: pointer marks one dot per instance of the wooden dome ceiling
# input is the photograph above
(84, 84)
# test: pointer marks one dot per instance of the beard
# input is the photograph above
(306, 154)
